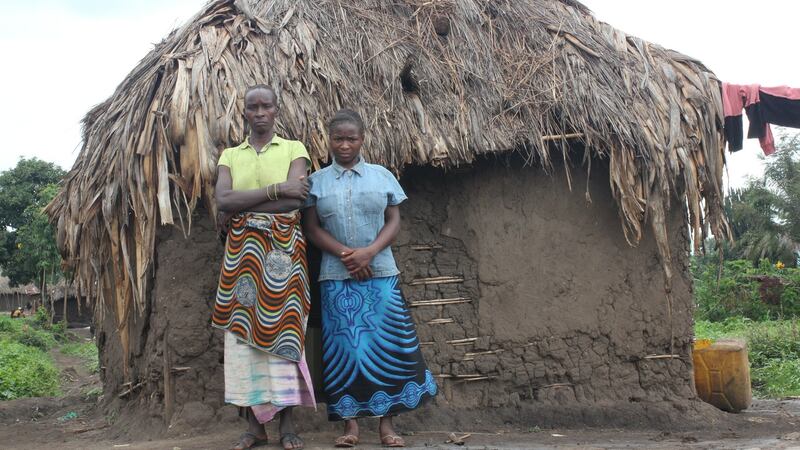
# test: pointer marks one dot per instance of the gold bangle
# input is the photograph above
(277, 191)
(269, 194)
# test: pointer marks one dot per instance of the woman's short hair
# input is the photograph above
(261, 86)
(346, 116)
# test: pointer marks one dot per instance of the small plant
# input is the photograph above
(93, 393)
(42, 317)
(59, 331)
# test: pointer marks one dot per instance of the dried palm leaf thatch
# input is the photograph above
(439, 82)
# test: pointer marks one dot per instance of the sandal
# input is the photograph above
(346, 441)
(291, 437)
(250, 440)
(392, 440)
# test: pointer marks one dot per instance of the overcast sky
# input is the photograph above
(61, 57)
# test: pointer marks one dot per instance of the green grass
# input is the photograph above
(26, 371)
(87, 351)
(773, 349)
(26, 331)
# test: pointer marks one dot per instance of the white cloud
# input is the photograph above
(63, 62)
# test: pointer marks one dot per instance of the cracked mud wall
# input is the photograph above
(560, 321)
(530, 307)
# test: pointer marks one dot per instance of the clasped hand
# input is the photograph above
(296, 189)
(357, 262)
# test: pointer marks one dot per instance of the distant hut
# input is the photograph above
(15, 297)
(525, 133)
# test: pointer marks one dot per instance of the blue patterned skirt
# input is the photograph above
(372, 363)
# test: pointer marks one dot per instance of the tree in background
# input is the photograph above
(27, 241)
(765, 215)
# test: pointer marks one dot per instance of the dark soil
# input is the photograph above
(81, 421)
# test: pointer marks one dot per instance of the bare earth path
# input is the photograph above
(76, 422)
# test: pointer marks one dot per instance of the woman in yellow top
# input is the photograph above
(263, 296)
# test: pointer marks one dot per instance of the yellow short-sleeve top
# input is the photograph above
(252, 170)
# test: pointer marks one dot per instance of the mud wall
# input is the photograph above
(527, 297)
(551, 317)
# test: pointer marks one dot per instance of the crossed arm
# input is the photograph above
(291, 193)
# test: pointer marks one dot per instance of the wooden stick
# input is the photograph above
(555, 137)
(84, 430)
(439, 301)
(436, 280)
(130, 390)
(458, 440)
(180, 369)
(169, 389)
(555, 385)
(488, 352)
(661, 356)
(462, 341)
(426, 247)
(467, 380)
(440, 321)
(469, 375)
(574, 40)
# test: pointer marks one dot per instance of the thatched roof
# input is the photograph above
(439, 82)
(6, 289)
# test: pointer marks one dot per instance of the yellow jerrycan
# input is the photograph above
(722, 374)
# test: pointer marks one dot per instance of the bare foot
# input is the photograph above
(289, 439)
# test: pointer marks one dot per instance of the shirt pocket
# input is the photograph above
(370, 207)
(327, 207)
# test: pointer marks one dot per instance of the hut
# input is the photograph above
(557, 168)
(63, 301)
(14, 297)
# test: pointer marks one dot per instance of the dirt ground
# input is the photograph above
(77, 421)
(769, 424)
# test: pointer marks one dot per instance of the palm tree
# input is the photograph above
(765, 215)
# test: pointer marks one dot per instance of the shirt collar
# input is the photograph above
(358, 168)
(276, 140)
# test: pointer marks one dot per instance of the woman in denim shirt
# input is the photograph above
(372, 363)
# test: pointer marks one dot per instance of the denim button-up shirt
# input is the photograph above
(350, 205)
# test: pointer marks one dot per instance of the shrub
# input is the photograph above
(26, 372)
(778, 378)
(42, 317)
(9, 325)
(32, 337)
(765, 292)
(59, 331)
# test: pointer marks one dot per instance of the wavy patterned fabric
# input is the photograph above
(372, 363)
(263, 295)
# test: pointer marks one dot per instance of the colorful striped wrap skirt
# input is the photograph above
(263, 303)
